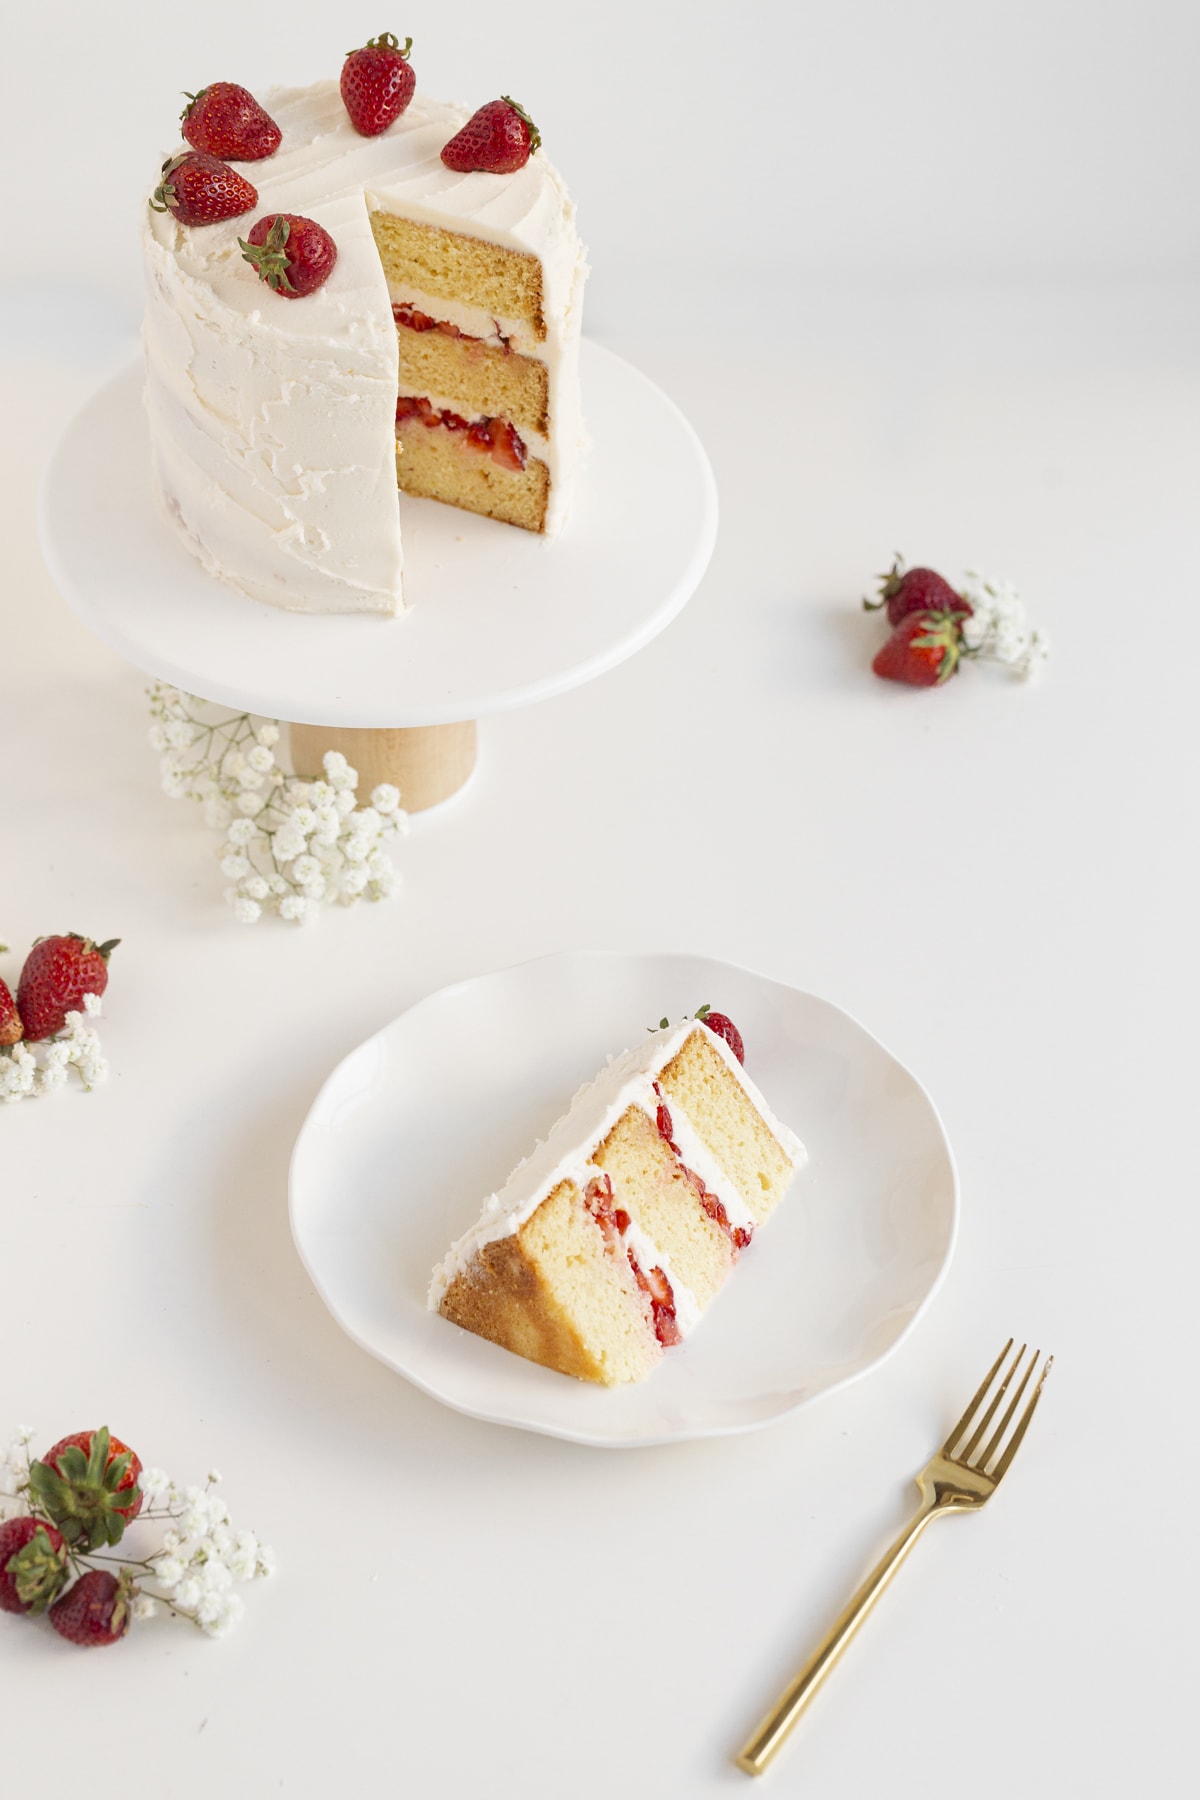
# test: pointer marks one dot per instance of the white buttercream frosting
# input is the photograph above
(272, 420)
(566, 1151)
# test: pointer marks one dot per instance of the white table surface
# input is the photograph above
(998, 880)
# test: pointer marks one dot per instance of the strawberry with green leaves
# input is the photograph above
(720, 1024)
(58, 972)
(199, 189)
(292, 254)
(924, 650)
(377, 83)
(499, 139)
(88, 1485)
(33, 1565)
(904, 591)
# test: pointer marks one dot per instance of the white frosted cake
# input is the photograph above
(605, 1245)
(278, 424)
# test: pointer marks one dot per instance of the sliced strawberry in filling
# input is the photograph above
(412, 320)
(661, 1296)
(503, 441)
(496, 437)
(738, 1235)
(614, 1222)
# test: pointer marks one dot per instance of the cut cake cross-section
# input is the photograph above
(605, 1245)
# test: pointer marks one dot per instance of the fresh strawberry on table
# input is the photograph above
(924, 650)
(292, 254)
(199, 189)
(33, 1564)
(905, 591)
(88, 1485)
(58, 972)
(498, 139)
(11, 1028)
(95, 1611)
(377, 83)
(226, 120)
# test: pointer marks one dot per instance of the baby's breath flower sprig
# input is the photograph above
(998, 628)
(291, 843)
(27, 1070)
(192, 1572)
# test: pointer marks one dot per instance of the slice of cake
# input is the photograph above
(442, 353)
(604, 1247)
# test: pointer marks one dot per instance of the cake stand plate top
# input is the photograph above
(498, 617)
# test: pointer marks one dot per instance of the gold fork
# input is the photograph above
(956, 1479)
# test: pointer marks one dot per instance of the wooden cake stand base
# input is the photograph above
(427, 763)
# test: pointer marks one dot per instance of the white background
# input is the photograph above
(886, 142)
(921, 276)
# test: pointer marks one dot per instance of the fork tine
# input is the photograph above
(993, 1444)
(986, 1383)
(1022, 1422)
(967, 1453)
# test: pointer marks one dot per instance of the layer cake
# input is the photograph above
(442, 354)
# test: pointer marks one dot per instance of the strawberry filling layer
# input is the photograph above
(738, 1235)
(413, 320)
(495, 437)
(614, 1222)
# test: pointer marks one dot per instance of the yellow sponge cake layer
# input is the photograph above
(482, 379)
(641, 1163)
(731, 1127)
(438, 464)
(453, 266)
(558, 1295)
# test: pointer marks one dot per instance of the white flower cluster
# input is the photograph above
(999, 630)
(14, 1475)
(30, 1069)
(291, 844)
(201, 1556)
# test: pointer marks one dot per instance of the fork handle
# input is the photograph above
(774, 1728)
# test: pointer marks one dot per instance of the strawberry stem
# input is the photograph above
(269, 260)
(535, 136)
(163, 198)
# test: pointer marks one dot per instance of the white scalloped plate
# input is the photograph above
(414, 1127)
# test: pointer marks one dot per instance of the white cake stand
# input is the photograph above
(499, 618)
